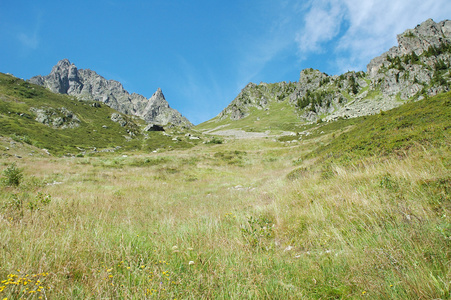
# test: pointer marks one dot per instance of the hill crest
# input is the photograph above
(85, 84)
(418, 67)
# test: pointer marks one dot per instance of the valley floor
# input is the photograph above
(246, 219)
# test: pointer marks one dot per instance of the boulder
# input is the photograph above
(153, 127)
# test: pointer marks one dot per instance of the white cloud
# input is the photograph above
(257, 55)
(369, 27)
(322, 23)
(29, 41)
(30, 38)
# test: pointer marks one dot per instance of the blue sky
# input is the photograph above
(202, 53)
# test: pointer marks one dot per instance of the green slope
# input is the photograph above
(17, 119)
(19, 101)
(423, 123)
(278, 116)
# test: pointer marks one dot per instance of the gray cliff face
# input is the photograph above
(157, 109)
(258, 96)
(418, 67)
(416, 63)
(65, 78)
(416, 40)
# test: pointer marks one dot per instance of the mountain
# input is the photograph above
(417, 68)
(66, 78)
(34, 115)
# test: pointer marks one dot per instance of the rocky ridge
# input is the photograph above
(418, 67)
(66, 78)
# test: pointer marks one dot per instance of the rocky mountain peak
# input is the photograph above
(158, 99)
(158, 95)
(62, 64)
(66, 78)
(419, 40)
(418, 67)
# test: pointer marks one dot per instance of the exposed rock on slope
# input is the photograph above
(419, 66)
(65, 78)
(56, 118)
(420, 61)
(254, 95)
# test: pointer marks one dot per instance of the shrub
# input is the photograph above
(12, 175)
(215, 140)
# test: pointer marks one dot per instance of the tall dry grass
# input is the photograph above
(225, 221)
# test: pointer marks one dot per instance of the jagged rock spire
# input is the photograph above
(66, 78)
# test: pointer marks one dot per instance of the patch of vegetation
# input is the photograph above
(298, 173)
(288, 138)
(158, 141)
(443, 48)
(277, 116)
(231, 157)
(258, 232)
(410, 34)
(395, 63)
(439, 194)
(353, 85)
(96, 130)
(412, 58)
(420, 123)
(20, 200)
(215, 141)
(315, 99)
(12, 175)
(149, 161)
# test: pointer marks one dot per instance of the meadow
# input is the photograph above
(352, 210)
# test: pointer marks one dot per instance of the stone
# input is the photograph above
(158, 111)
(85, 84)
(153, 127)
(404, 72)
(118, 118)
(408, 78)
(57, 118)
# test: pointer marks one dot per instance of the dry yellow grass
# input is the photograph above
(224, 221)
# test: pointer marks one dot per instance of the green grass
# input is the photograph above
(325, 218)
(16, 118)
(426, 122)
(280, 116)
(96, 130)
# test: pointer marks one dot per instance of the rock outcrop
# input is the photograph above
(57, 118)
(66, 78)
(418, 67)
(418, 62)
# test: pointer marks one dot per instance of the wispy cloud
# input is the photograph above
(274, 37)
(360, 30)
(30, 39)
(259, 53)
(322, 23)
(200, 84)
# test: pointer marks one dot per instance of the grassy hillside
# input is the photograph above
(358, 208)
(278, 116)
(425, 123)
(20, 100)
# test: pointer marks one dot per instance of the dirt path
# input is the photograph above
(241, 134)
